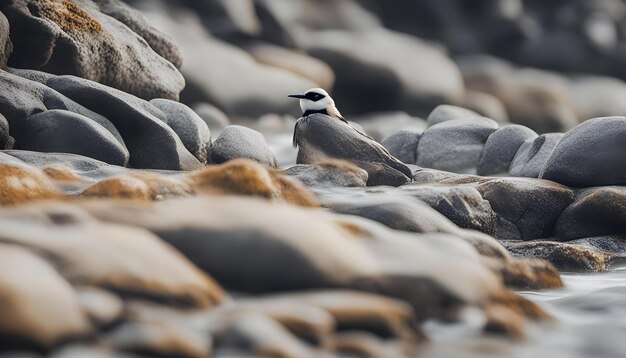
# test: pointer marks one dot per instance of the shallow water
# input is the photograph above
(590, 321)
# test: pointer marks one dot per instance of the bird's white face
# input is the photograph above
(315, 99)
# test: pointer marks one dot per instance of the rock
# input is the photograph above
(321, 137)
(31, 75)
(6, 141)
(403, 145)
(486, 105)
(615, 245)
(75, 38)
(61, 172)
(129, 261)
(40, 309)
(241, 142)
(119, 187)
(330, 173)
(21, 183)
(214, 118)
(586, 155)
(68, 132)
(454, 145)
(427, 175)
(137, 22)
(565, 256)
(463, 205)
(530, 274)
(392, 83)
(6, 46)
(594, 212)
(192, 130)
(249, 178)
(446, 112)
(533, 154)
(380, 125)
(151, 143)
(102, 307)
(532, 206)
(501, 147)
(21, 98)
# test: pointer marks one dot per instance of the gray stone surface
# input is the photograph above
(447, 112)
(403, 145)
(533, 154)
(241, 142)
(501, 147)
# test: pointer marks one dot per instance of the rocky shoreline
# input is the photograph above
(150, 203)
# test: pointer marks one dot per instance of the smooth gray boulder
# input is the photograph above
(447, 112)
(192, 130)
(241, 142)
(591, 154)
(67, 132)
(6, 46)
(533, 154)
(501, 147)
(6, 141)
(454, 145)
(329, 174)
(403, 145)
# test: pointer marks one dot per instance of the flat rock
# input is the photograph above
(327, 174)
(590, 154)
(40, 309)
(67, 132)
(192, 130)
(501, 147)
(532, 206)
(454, 145)
(447, 112)
(151, 143)
(533, 154)
(241, 142)
(565, 256)
(594, 212)
(76, 38)
(403, 145)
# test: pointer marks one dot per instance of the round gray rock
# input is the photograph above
(241, 142)
(403, 145)
(591, 154)
(6, 141)
(501, 147)
(533, 154)
(447, 112)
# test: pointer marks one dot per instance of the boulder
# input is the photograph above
(6, 46)
(532, 206)
(6, 141)
(241, 142)
(590, 155)
(403, 145)
(214, 118)
(39, 307)
(190, 128)
(501, 147)
(533, 154)
(446, 112)
(454, 145)
(67, 132)
(594, 212)
(328, 174)
(76, 38)
(151, 143)
(392, 83)
(614, 244)
(565, 256)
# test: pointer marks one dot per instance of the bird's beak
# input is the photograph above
(296, 95)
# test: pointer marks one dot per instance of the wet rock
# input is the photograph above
(151, 143)
(391, 84)
(454, 145)
(74, 37)
(126, 260)
(330, 173)
(594, 212)
(6, 141)
(241, 142)
(532, 206)
(403, 145)
(192, 130)
(612, 244)
(533, 154)
(565, 256)
(501, 147)
(446, 112)
(137, 22)
(67, 132)
(463, 205)
(21, 183)
(6, 46)
(40, 309)
(215, 119)
(587, 155)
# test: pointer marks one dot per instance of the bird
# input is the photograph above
(323, 133)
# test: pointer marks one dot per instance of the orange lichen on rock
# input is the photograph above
(163, 186)
(60, 172)
(119, 187)
(23, 184)
(292, 191)
(67, 15)
(530, 274)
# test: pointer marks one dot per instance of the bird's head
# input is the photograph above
(315, 99)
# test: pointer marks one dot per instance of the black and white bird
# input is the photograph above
(322, 133)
